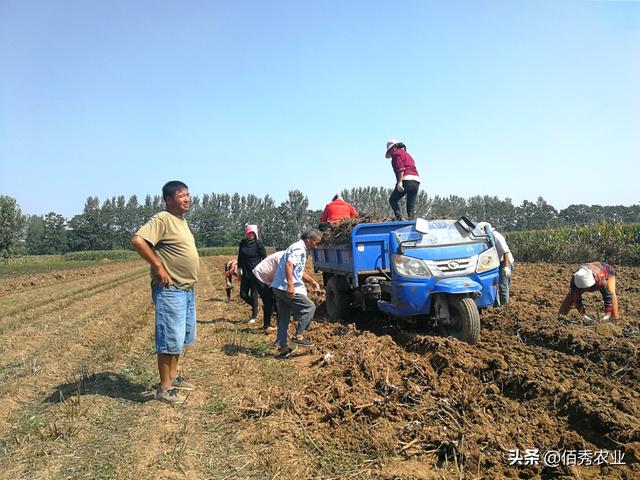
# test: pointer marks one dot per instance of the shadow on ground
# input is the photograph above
(212, 321)
(259, 352)
(109, 384)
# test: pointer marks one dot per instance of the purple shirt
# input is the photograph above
(401, 161)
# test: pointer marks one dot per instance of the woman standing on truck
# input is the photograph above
(407, 178)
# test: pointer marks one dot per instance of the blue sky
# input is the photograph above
(515, 99)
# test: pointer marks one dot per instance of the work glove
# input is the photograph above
(588, 320)
(399, 187)
(507, 272)
(606, 318)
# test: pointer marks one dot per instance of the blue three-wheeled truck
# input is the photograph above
(438, 270)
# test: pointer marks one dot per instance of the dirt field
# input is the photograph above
(77, 374)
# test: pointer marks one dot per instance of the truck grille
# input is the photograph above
(453, 267)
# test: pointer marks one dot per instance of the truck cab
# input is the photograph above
(443, 270)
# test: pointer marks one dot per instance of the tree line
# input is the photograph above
(217, 219)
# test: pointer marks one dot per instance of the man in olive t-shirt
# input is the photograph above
(167, 244)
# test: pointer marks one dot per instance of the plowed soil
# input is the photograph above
(372, 399)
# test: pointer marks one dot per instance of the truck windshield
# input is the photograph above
(441, 232)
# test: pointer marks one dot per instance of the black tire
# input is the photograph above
(337, 298)
(465, 320)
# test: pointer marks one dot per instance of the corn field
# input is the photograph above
(613, 243)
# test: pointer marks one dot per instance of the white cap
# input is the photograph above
(584, 278)
(390, 144)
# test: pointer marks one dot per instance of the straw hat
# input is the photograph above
(391, 143)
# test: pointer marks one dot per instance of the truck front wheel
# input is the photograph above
(337, 298)
(464, 320)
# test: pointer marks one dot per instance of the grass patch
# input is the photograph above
(334, 460)
(34, 259)
(140, 372)
(248, 341)
(83, 437)
(53, 265)
(105, 470)
(40, 425)
(213, 251)
(210, 426)
(279, 374)
(258, 345)
(106, 420)
(102, 255)
(101, 468)
(217, 403)
(5, 450)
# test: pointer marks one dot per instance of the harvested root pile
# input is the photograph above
(316, 296)
(449, 405)
(340, 232)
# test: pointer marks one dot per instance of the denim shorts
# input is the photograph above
(175, 318)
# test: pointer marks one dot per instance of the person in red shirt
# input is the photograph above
(338, 209)
(591, 277)
(407, 178)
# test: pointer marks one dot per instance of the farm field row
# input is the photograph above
(77, 376)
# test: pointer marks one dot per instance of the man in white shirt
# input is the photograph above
(506, 267)
(291, 293)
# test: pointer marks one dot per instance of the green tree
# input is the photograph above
(292, 218)
(132, 221)
(210, 222)
(89, 230)
(373, 201)
(536, 216)
(576, 215)
(54, 239)
(34, 237)
(12, 224)
(152, 205)
(452, 206)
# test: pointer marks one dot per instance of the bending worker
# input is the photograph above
(589, 278)
(231, 270)
(264, 273)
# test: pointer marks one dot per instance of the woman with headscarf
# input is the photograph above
(250, 253)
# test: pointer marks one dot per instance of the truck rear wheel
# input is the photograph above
(464, 320)
(337, 298)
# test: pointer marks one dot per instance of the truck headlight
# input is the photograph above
(410, 267)
(488, 260)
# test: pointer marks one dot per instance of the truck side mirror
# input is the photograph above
(466, 224)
